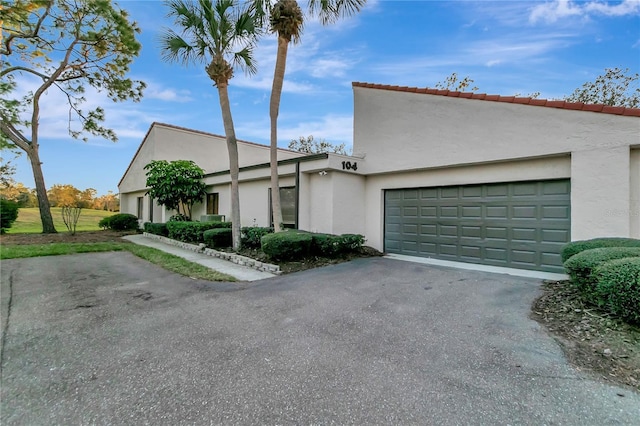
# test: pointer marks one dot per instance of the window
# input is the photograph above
(140, 207)
(287, 205)
(212, 203)
(150, 209)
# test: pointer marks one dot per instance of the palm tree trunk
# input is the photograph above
(232, 147)
(41, 192)
(274, 108)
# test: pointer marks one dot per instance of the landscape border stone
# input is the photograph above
(231, 257)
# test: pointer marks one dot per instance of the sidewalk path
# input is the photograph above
(241, 273)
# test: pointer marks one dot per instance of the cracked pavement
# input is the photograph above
(108, 338)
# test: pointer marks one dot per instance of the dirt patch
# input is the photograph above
(65, 237)
(593, 341)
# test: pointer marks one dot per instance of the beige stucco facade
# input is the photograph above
(404, 139)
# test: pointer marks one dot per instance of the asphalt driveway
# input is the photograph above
(111, 339)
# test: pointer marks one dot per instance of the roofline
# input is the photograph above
(559, 104)
(310, 157)
(200, 132)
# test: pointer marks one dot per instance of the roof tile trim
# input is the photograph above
(559, 104)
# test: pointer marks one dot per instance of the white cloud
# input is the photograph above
(334, 128)
(627, 7)
(156, 91)
(551, 12)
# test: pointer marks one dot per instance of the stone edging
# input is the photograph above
(231, 257)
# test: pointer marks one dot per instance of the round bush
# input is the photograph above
(580, 266)
(250, 236)
(576, 247)
(287, 245)
(218, 237)
(618, 287)
(8, 214)
(120, 222)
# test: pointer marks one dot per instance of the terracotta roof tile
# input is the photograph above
(613, 110)
(575, 106)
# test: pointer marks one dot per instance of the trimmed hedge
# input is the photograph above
(120, 222)
(580, 266)
(250, 236)
(218, 238)
(8, 214)
(618, 287)
(287, 245)
(192, 232)
(156, 229)
(327, 245)
(576, 247)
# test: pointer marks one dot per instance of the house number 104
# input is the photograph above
(348, 165)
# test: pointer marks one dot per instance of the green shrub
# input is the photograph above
(192, 232)
(576, 247)
(250, 236)
(580, 266)
(8, 214)
(218, 237)
(618, 287)
(179, 218)
(120, 222)
(350, 243)
(156, 229)
(327, 245)
(105, 222)
(288, 245)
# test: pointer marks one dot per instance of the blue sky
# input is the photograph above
(507, 47)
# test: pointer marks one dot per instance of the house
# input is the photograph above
(466, 177)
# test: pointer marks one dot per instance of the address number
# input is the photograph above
(348, 165)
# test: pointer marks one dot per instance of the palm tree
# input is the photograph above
(287, 20)
(222, 35)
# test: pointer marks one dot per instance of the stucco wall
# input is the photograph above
(207, 151)
(320, 203)
(600, 189)
(348, 196)
(399, 131)
(403, 131)
(634, 185)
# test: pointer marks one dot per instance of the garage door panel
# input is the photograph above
(521, 224)
(555, 235)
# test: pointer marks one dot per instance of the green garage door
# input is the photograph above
(517, 224)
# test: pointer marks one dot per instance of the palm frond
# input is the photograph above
(244, 59)
(211, 29)
(329, 11)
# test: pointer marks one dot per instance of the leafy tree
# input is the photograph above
(6, 172)
(109, 202)
(287, 20)
(64, 195)
(309, 145)
(86, 198)
(66, 45)
(222, 35)
(177, 185)
(455, 85)
(616, 87)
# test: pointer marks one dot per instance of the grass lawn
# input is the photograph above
(29, 220)
(167, 261)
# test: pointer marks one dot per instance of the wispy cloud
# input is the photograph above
(556, 10)
(335, 128)
(158, 91)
